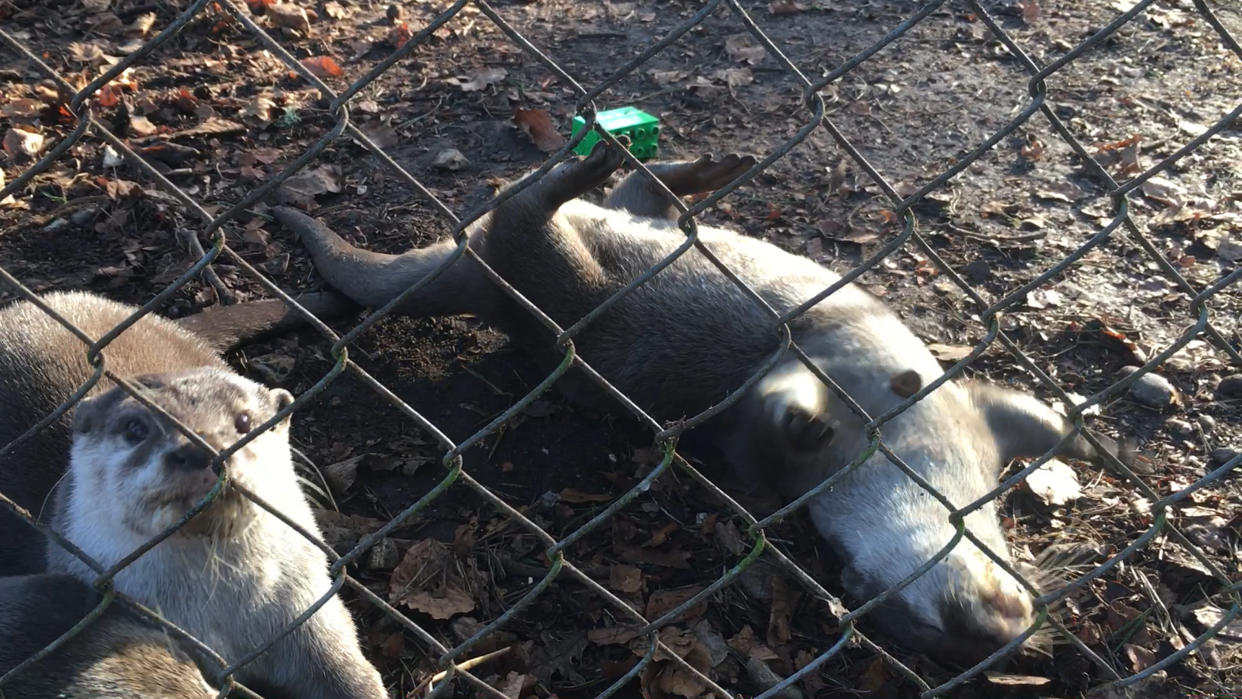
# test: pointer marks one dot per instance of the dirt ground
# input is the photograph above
(219, 114)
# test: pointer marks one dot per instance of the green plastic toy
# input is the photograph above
(642, 128)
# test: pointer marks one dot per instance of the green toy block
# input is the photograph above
(642, 128)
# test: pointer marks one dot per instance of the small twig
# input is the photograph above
(420, 117)
(469, 664)
(601, 35)
(495, 389)
(515, 567)
(993, 238)
(224, 295)
(765, 677)
(1151, 591)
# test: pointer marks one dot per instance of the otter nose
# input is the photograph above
(993, 615)
(188, 457)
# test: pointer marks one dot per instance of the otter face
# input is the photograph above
(885, 526)
(143, 474)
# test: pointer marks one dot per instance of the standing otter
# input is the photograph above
(235, 576)
(118, 656)
(684, 339)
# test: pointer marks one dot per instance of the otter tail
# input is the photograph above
(373, 279)
(226, 327)
(1025, 427)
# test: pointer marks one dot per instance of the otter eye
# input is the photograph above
(136, 431)
(242, 423)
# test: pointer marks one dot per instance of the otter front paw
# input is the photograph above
(708, 174)
(577, 176)
(802, 431)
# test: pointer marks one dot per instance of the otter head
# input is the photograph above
(886, 526)
(138, 471)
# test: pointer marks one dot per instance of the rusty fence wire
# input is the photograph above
(211, 245)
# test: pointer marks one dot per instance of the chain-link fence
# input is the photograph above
(81, 118)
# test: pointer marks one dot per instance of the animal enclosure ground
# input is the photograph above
(218, 114)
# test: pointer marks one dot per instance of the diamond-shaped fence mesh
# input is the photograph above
(1196, 312)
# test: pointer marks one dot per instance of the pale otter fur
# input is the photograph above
(118, 656)
(236, 576)
(684, 339)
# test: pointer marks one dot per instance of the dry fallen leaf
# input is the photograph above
(537, 124)
(1163, 191)
(336, 11)
(735, 77)
(1027, 682)
(171, 154)
(141, 126)
(874, 677)
(1208, 616)
(1043, 298)
(481, 80)
(949, 353)
(341, 531)
(784, 601)
(1140, 658)
(743, 49)
(664, 679)
(22, 144)
(301, 189)
(399, 34)
(612, 635)
(342, 474)
(260, 107)
(663, 601)
(1055, 483)
(451, 159)
(422, 581)
(444, 602)
(577, 496)
(514, 683)
(1030, 11)
(625, 578)
(784, 7)
(748, 645)
(381, 135)
(23, 109)
(1033, 150)
(664, 78)
(286, 14)
(668, 559)
(141, 26)
(87, 52)
(8, 200)
(323, 67)
(212, 126)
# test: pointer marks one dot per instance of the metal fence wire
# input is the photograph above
(218, 229)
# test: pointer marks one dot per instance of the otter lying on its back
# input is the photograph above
(235, 576)
(688, 336)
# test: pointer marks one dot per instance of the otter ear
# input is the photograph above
(282, 398)
(1023, 426)
(906, 384)
(86, 416)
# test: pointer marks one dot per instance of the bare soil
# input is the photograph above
(237, 116)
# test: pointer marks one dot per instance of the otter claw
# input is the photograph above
(805, 431)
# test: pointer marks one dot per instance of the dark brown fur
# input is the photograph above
(118, 656)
